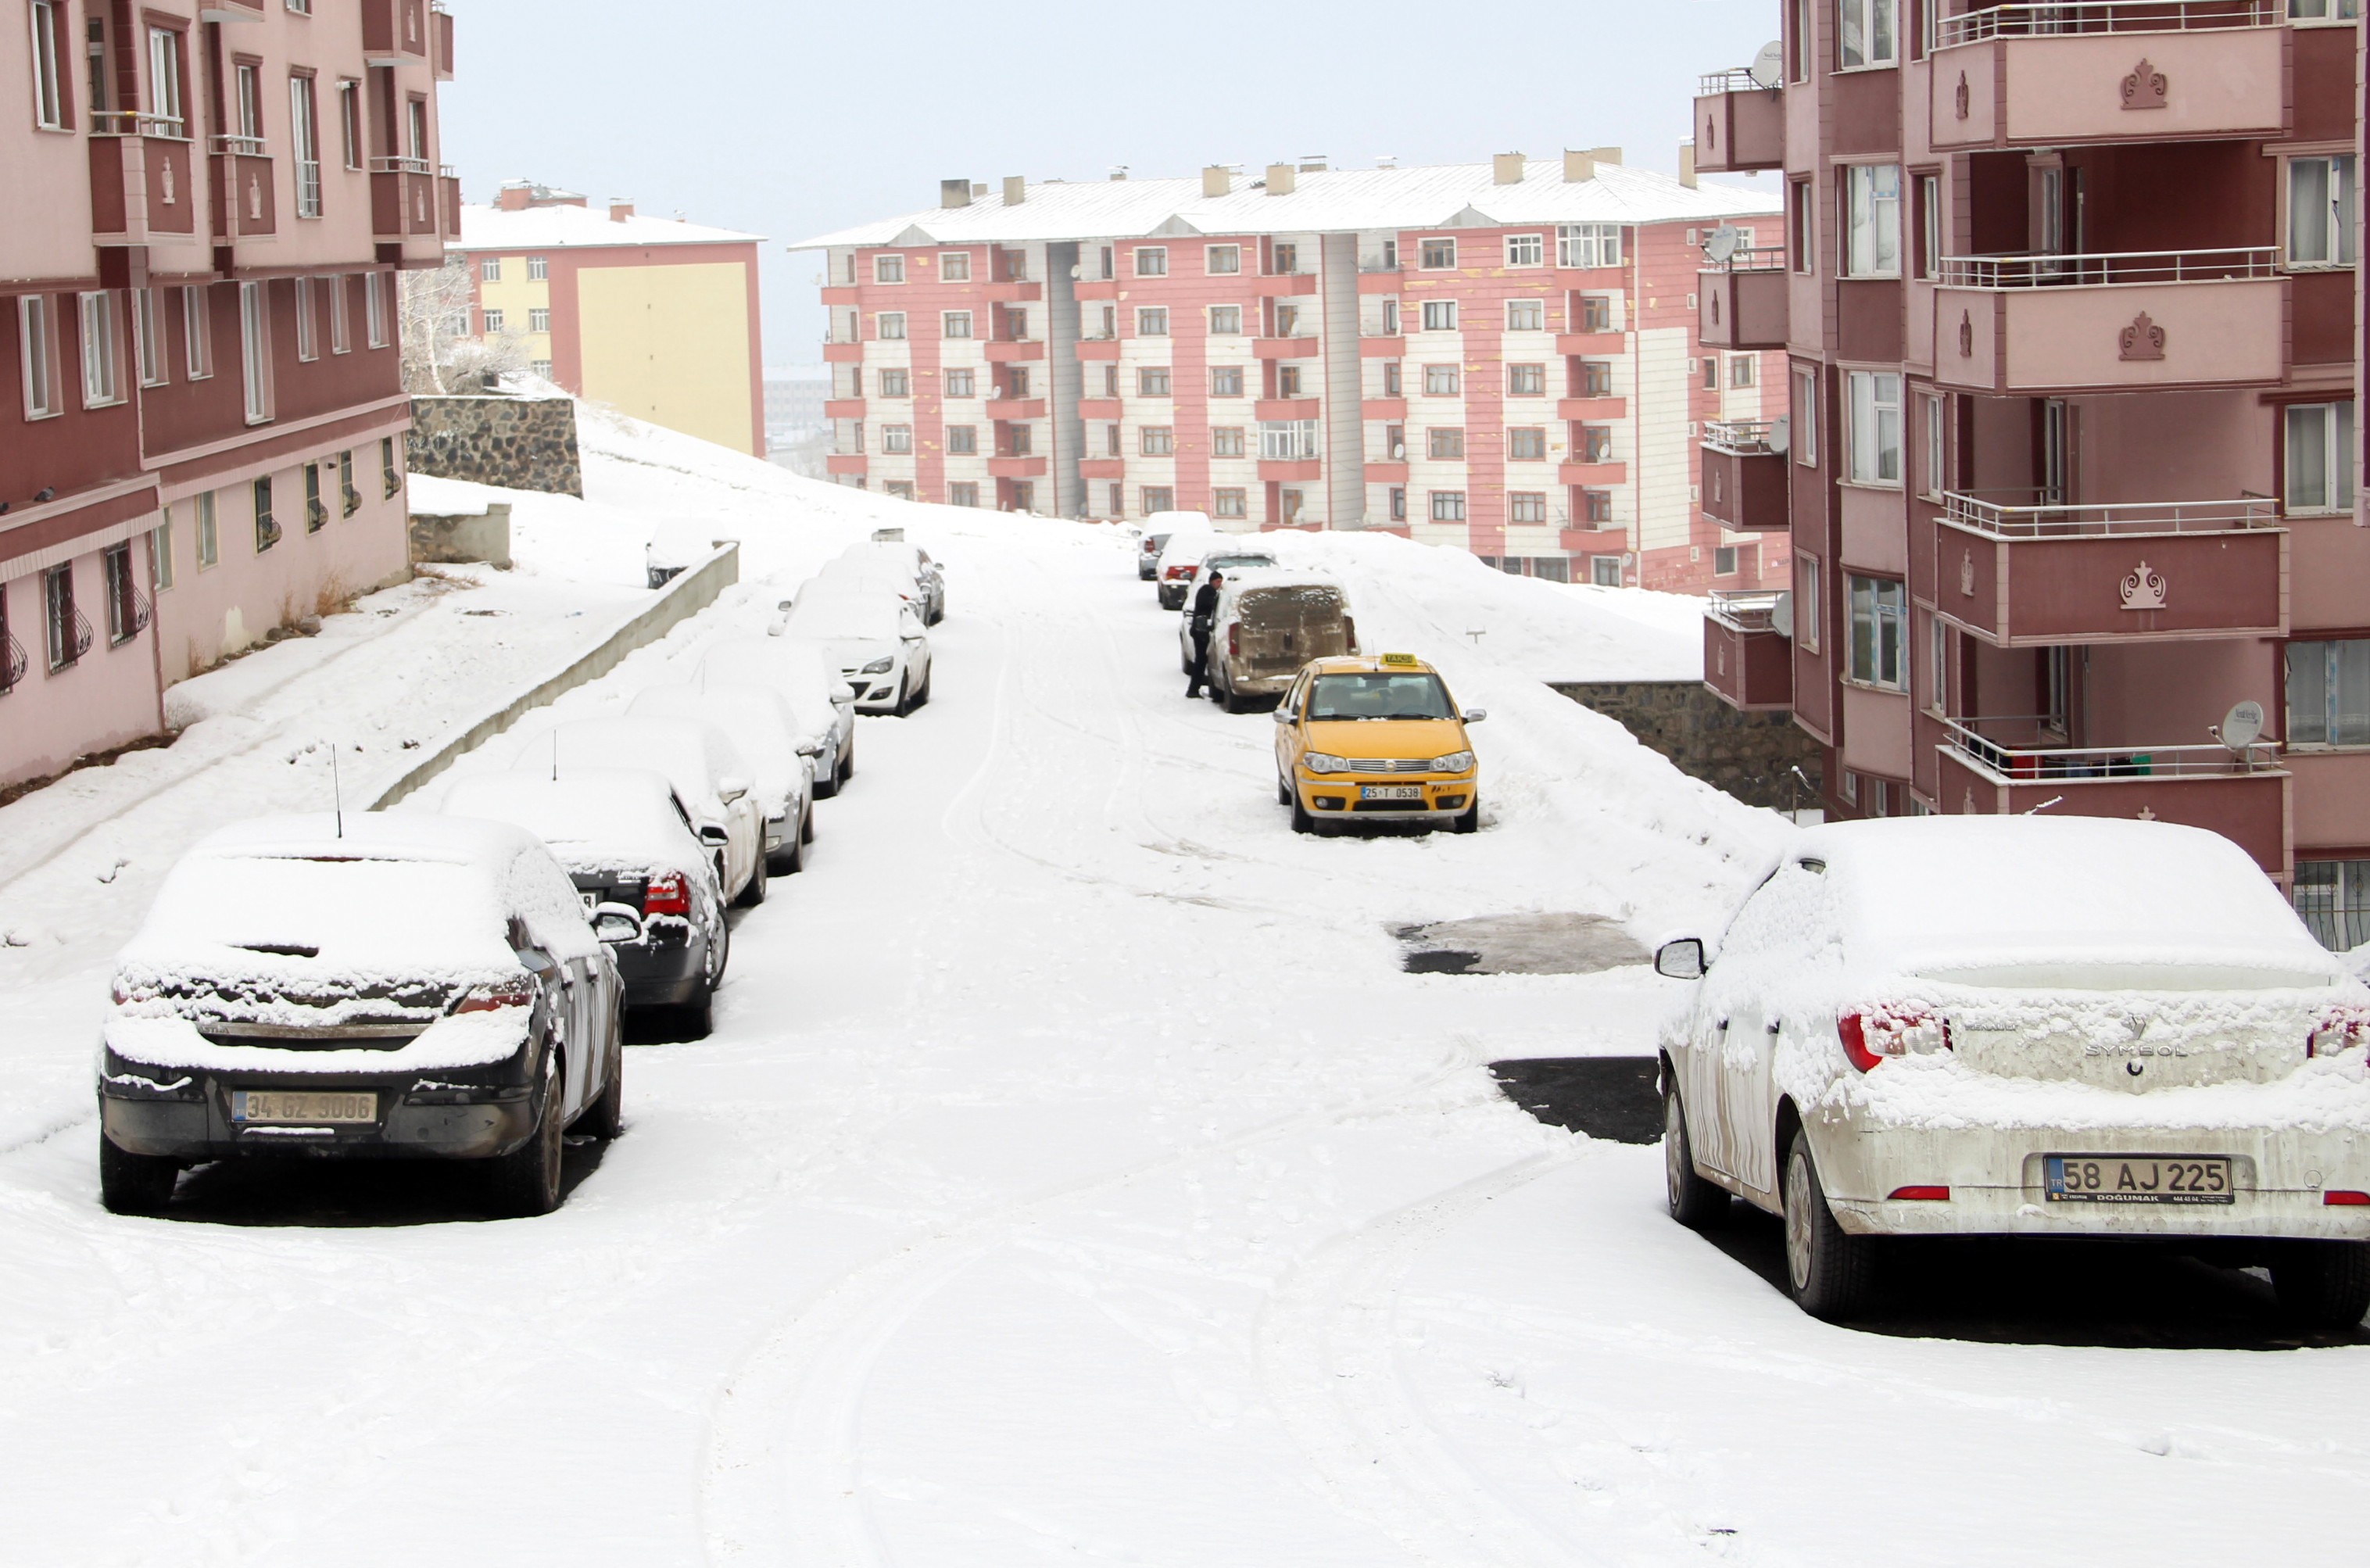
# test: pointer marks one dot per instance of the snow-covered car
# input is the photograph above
(1179, 556)
(766, 732)
(2025, 1026)
(1147, 556)
(1226, 562)
(363, 986)
(877, 642)
(708, 773)
(1268, 625)
(818, 694)
(843, 575)
(909, 561)
(624, 838)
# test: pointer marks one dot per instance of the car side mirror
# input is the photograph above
(1475, 715)
(731, 788)
(810, 748)
(1681, 960)
(614, 923)
(1284, 715)
(716, 836)
(784, 605)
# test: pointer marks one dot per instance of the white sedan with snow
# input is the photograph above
(2024, 1026)
(876, 642)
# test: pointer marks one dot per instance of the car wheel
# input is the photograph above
(806, 826)
(1302, 821)
(2323, 1284)
(922, 697)
(753, 894)
(526, 1181)
(695, 1020)
(606, 1118)
(904, 703)
(1232, 702)
(1694, 1202)
(1830, 1275)
(134, 1184)
(1469, 819)
(1282, 792)
(846, 768)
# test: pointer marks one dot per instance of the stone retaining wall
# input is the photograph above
(1747, 754)
(525, 443)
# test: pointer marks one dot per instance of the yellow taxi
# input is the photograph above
(1377, 737)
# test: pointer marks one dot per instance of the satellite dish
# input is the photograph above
(2241, 727)
(1724, 243)
(1781, 434)
(1781, 616)
(1768, 67)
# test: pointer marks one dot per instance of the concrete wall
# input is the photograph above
(514, 442)
(481, 535)
(1747, 754)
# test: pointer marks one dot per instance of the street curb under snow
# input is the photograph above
(681, 599)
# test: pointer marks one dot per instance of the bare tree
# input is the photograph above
(439, 353)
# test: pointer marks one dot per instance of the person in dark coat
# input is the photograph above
(1205, 616)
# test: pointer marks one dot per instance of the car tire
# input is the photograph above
(904, 703)
(1302, 819)
(806, 828)
(526, 1181)
(1830, 1275)
(846, 768)
(134, 1184)
(1469, 819)
(922, 697)
(606, 1118)
(1282, 792)
(2323, 1284)
(753, 894)
(1694, 1202)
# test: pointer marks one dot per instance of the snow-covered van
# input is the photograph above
(1270, 624)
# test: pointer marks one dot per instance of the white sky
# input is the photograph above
(786, 119)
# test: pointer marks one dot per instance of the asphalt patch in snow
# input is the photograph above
(1518, 944)
(1606, 1096)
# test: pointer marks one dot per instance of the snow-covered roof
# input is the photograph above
(569, 226)
(1322, 201)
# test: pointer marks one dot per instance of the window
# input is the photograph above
(1152, 261)
(1440, 380)
(1152, 322)
(1437, 255)
(1287, 381)
(1711, 372)
(2320, 212)
(888, 268)
(1526, 380)
(1391, 379)
(1397, 504)
(1872, 221)
(1938, 661)
(49, 87)
(1225, 381)
(101, 379)
(349, 122)
(1152, 380)
(1287, 440)
(308, 328)
(1440, 316)
(1526, 315)
(961, 383)
(1803, 418)
(962, 440)
(196, 333)
(1588, 244)
(164, 78)
(267, 532)
(206, 542)
(1390, 316)
(374, 307)
(889, 325)
(954, 324)
(1742, 370)
(1595, 444)
(1158, 498)
(538, 269)
(305, 137)
(1222, 259)
(2323, 10)
(1526, 249)
(349, 499)
(390, 477)
(248, 102)
(2329, 693)
(1226, 440)
(148, 336)
(539, 319)
(1723, 561)
(1111, 381)
(1595, 312)
(1873, 432)
(894, 383)
(1445, 446)
(1118, 507)
(1526, 446)
(1801, 227)
(2332, 897)
(495, 322)
(1284, 260)
(1866, 33)
(2320, 457)
(126, 615)
(963, 492)
(1287, 321)
(316, 510)
(1156, 440)
(1395, 443)
(898, 438)
(1227, 501)
(1596, 507)
(898, 490)
(1936, 450)
(1526, 506)
(1596, 378)
(1448, 506)
(339, 341)
(1879, 625)
(1020, 440)
(69, 635)
(1929, 225)
(1225, 320)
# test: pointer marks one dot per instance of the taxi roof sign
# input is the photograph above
(1405, 659)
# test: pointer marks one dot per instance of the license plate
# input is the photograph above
(313, 1108)
(2138, 1179)
(1390, 792)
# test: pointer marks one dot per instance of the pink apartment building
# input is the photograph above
(2070, 307)
(202, 208)
(1504, 357)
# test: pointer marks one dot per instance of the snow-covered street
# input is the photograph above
(1074, 1175)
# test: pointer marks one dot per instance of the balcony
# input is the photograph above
(1739, 124)
(2015, 766)
(395, 32)
(1379, 347)
(1015, 468)
(2038, 326)
(1102, 467)
(448, 204)
(1379, 281)
(441, 22)
(842, 408)
(230, 10)
(245, 201)
(1095, 288)
(2019, 573)
(1292, 470)
(1593, 411)
(1592, 345)
(1012, 291)
(843, 462)
(2075, 72)
(1744, 476)
(1743, 305)
(1749, 649)
(1000, 407)
(1284, 348)
(1004, 350)
(1383, 407)
(140, 180)
(1386, 471)
(841, 294)
(1098, 348)
(1592, 476)
(842, 353)
(1284, 285)
(1098, 408)
(1286, 407)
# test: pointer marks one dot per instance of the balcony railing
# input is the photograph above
(1752, 259)
(69, 638)
(401, 166)
(2033, 269)
(13, 663)
(2028, 517)
(2064, 16)
(2022, 747)
(1735, 79)
(130, 122)
(239, 146)
(1755, 609)
(1745, 438)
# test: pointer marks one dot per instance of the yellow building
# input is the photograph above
(655, 318)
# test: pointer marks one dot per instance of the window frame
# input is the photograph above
(375, 308)
(1157, 255)
(1863, 465)
(1225, 381)
(1152, 322)
(1534, 312)
(1808, 607)
(889, 326)
(2338, 498)
(102, 350)
(897, 440)
(1230, 501)
(1445, 506)
(1868, 12)
(1863, 187)
(968, 379)
(349, 122)
(2341, 208)
(889, 270)
(954, 326)
(1226, 440)
(1156, 441)
(1232, 316)
(954, 266)
(150, 354)
(2335, 730)
(902, 386)
(1445, 444)
(52, 102)
(1589, 247)
(308, 326)
(1453, 375)
(1802, 416)
(1531, 437)
(1436, 253)
(1210, 260)
(1526, 249)
(1878, 621)
(1534, 503)
(962, 440)
(1144, 377)
(1526, 380)
(254, 351)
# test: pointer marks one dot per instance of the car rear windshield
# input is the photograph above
(1228, 563)
(359, 912)
(1379, 696)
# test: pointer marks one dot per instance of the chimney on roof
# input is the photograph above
(1217, 180)
(1118, 171)
(1608, 156)
(979, 191)
(1280, 178)
(1577, 168)
(954, 192)
(1015, 189)
(1687, 165)
(1506, 168)
(515, 197)
(1312, 162)
(1387, 160)
(620, 208)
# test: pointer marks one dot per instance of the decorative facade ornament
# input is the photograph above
(164, 180)
(255, 198)
(1967, 804)
(2146, 87)
(1715, 308)
(1967, 574)
(1966, 335)
(1723, 658)
(2144, 588)
(2142, 339)
(2145, 814)
(1962, 95)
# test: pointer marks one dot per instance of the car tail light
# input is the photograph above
(667, 896)
(1922, 1195)
(517, 993)
(1235, 641)
(2338, 1197)
(2337, 1028)
(1874, 1034)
